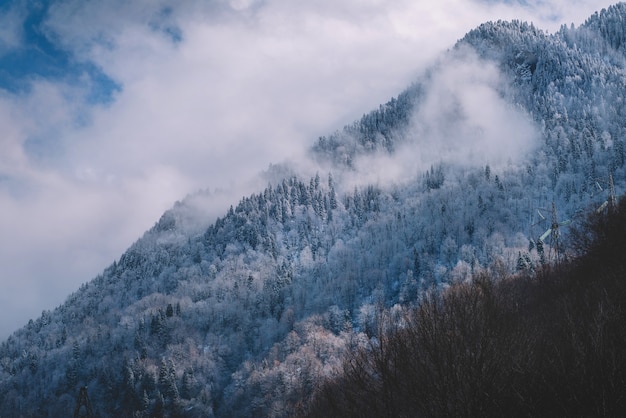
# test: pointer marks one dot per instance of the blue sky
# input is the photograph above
(110, 111)
(37, 54)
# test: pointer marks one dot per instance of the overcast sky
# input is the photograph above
(110, 111)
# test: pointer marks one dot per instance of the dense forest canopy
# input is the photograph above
(482, 166)
(545, 344)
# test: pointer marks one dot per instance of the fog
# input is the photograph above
(463, 120)
(135, 105)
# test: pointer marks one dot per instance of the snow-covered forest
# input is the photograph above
(512, 132)
(544, 343)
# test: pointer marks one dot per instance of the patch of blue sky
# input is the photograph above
(43, 149)
(162, 23)
(39, 57)
(19, 68)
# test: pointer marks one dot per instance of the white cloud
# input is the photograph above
(249, 83)
(464, 119)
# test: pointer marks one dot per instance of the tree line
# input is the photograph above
(547, 344)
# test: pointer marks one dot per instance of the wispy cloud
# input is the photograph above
(465, 118)
(156, 99)
(462, 120)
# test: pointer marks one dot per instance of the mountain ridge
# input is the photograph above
(197, 320)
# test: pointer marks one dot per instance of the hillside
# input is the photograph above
(550, 344)
(455, 177)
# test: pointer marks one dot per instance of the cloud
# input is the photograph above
(210, 93)
(465, 118)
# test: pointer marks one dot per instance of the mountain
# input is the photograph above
(546, 344)
(511, 133)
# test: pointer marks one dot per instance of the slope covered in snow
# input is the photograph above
(244, 316)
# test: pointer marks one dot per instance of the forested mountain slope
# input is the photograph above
(455, 176)
(546, 344)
